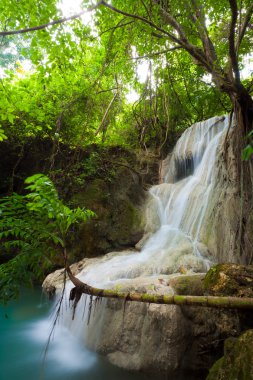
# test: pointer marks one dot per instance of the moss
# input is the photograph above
(167, 298)
(188, 284)
(145, 296)
(180, 299)
(96, 192)
(229, 280)
(237, 362)
(211, 277)
(126, 219)
(215, 370)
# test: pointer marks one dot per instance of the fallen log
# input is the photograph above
(180, 300)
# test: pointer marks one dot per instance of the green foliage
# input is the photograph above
(78, 69)
(248, 150)
(35, 228)
(2, 135)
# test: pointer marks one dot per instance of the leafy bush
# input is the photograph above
(35, 227)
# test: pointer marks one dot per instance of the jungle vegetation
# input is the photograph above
(67, 78)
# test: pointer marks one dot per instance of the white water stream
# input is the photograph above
(175, 211)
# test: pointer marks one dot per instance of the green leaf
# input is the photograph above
(11, 117)
(2, 135)
(247, 152)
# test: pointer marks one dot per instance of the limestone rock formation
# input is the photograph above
(149, 337)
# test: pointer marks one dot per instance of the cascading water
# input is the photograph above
(176, 211)
(179, 205)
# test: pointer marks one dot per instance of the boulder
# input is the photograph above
(230, 280)
(237, 362)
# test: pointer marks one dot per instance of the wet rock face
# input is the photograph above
(228, 229)
(160, 337)
(117, 194)
(142, 337)
(237, 362)
(165, 337)
(119, 221)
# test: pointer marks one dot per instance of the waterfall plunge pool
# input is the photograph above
(24, 329)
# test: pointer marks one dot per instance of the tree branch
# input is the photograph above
(197, 53)
(157, 53)
(193, 50)
(143, 19)
(199, 20)
(244, 27)
(119, 25)
(55, 22)
(146, 9)
(100, 128)
(231, 40)
(173, 22)
(109, 90)
(180, 300)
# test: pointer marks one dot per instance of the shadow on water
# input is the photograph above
(24, 330)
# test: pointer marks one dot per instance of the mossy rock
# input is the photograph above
(118, 223)
(188, 284)
(237, 362)
(95, 194)
(126, 221)
(229, 280)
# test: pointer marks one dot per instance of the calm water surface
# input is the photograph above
(24, 329)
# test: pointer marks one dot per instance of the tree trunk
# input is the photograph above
(243, 120)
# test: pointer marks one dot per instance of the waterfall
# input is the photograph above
(179, 206)
(175, 214)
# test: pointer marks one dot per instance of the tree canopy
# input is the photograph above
(80, 75)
